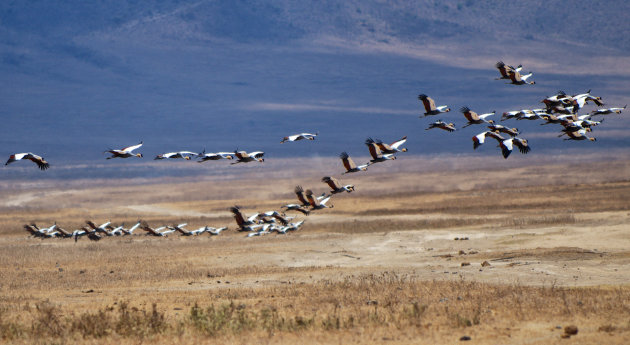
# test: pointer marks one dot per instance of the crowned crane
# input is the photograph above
(560, 109)
(532, 115)
(125, 152)
(296, 207)
(377, 155)
(272, 216)
(240, 219)
(244, 157)
(176, 155)
(429, 106)
(43, 233)
(502, 129)
(91, 234)
(264, 230)
(504, 69)
(295, 226)
(289, 227)
(180, 228)
(317, 204)
(570, 126)
(78, 233)
(608, 111)
(557, 119)
(302, 206)
(215, 156)
(117, 231)
(508, 144)
(480, 138)
(442, 125)
(511, 115)
(587, 123)
(582, 99)
(518, 79)
(348, 163)
(578, 135)
(336, 186)
(41, 162)
(156, 232)
(385, 148)
(215, 231)
(63, 233)
(474, 118)
(30, 229)
(301, 136)
(559, 99)
(132, 229)
(299, 192)
(104, 228)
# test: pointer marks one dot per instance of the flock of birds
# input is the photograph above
(95, 233)
(561, 109)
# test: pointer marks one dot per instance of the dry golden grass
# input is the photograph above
(366, 307)
(382, 266)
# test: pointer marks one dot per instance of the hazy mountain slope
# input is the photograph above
(81, 77)
(593, 23)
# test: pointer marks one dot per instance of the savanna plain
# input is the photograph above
(425, 251)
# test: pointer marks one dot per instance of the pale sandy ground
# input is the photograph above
(593, 249)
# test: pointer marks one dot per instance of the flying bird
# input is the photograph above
(578, 135)
(348, 163)
(301, 136)
(502, 129)
(336, 186)
(240, 219)
(480, 138)
(214, 156)
(429, 106)
(505, 69)
(244, 157)
(176, 155)
(388, 148)
(474, 118)
(608, 111)
(41, 163)
(377, 155)
(315, 203)
(508, 144)
(450, 127)
(125, 152)
(518, 79)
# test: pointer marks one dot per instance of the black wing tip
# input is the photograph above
(422, 96)
(499, 64)
(369, 141)
(298, 189)
(326, 178)
(464, 109)
(344, 155)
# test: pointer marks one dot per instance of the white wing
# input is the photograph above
(398, 143)
(131, 148)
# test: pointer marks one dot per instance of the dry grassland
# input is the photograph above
(382, 266)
